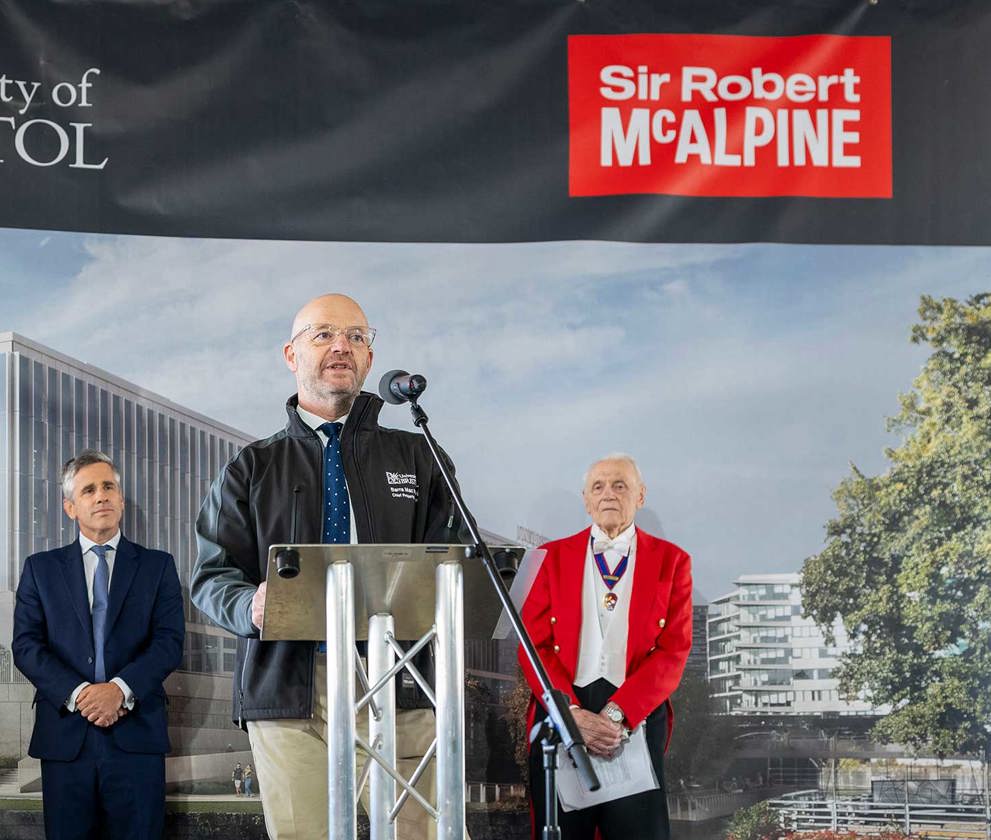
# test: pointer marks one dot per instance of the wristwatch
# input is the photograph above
(613, 712)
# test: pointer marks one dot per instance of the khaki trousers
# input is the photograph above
(291, 767)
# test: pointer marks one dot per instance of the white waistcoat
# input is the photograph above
(602, 646)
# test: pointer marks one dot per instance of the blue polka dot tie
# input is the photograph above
(336, 510)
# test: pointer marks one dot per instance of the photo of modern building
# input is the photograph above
(767, 658)
(51, 407)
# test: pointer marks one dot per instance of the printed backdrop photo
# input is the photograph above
(745, 242)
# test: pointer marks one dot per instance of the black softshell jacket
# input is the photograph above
(272, 493)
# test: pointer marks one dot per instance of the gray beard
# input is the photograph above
(339, 401)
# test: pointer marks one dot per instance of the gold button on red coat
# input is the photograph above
(553, 620)
(661, 623)
(557, 648)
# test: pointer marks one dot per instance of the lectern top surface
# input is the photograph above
(394, 579)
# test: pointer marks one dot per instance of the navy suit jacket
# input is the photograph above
(53, 644)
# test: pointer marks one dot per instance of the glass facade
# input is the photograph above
(765, 657)
(724, 635)
(51, 407)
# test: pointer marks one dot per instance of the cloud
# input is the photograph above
(744, 378)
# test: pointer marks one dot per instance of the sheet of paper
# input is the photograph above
(526, 574)
(629, 771)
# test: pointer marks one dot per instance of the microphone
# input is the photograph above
(398, 386)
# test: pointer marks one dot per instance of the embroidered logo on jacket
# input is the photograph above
(402, 485)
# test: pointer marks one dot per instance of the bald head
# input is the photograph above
(329, 309)
(329, 371)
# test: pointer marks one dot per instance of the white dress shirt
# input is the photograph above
(90, 562)
(604, 633)
(315, 421)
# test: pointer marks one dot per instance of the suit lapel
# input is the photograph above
(74, 576)
(125, 568)
(646, 571)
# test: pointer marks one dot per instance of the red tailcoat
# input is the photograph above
(660, 623)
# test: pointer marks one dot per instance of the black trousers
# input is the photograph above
(643, 816)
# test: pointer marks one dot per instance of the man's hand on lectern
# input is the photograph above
(258, 605)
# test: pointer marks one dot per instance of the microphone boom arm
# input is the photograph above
(555, 701)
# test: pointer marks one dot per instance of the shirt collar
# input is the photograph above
(85, 543)
(315, 421)
(624, 536)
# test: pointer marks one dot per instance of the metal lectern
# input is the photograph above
(383, 593)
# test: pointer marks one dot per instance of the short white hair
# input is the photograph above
(614, 456)
(86, 458)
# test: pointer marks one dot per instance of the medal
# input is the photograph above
(610, 578)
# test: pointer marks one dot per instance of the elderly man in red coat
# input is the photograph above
(610, 613)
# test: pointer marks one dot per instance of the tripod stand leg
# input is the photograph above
(450, 702)
(381, 728)
(552, 830)
(343, 808)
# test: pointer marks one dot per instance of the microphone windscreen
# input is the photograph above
(385, 390)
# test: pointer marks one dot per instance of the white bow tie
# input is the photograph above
(603, 544)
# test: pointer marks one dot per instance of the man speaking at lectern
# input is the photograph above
(610, 613)
(324, 478)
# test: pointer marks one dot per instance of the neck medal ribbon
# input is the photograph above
(610, 578)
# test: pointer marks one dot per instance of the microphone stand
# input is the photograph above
(559, 726)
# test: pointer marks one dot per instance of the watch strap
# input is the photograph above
(614, 712)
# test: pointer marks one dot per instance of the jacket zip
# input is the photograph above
(361, 480)
(295, 511)
(240, 685)
(323, 506)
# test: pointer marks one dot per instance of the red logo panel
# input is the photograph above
(730, 115)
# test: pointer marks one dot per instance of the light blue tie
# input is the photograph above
(101, 592)
(336, 510)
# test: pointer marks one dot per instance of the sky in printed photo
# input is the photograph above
(745, 379)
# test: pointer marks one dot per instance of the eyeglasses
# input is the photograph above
(323, 334)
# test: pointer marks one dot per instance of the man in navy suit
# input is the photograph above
(98, 626)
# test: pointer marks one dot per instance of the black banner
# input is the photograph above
(688, 121)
